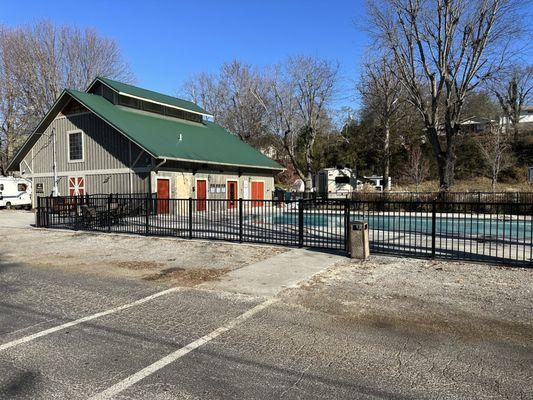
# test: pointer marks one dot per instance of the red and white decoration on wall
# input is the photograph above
(76, 186)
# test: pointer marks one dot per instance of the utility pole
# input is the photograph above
(55, 189)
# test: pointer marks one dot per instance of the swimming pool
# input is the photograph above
(465, 225)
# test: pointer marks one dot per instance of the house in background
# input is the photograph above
(525, 123)
(476, 124)
(119, 138)
(526, 116)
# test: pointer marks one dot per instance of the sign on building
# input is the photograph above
(530, 175)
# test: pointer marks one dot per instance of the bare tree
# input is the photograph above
(229, 96)
(281, 113)
(297, 100)
(313, 82)
(514, 89)
(37, 63)
(417, 168)
(381, 94)
(443, 49)
(13, 117)
(495, 148)
(204, 89)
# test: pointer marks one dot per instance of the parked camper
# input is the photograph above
(336, 182)
(14, 192)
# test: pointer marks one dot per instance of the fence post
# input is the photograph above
(76, 213)
(46, 213)
(38, 214)
(147, 219)
(346, 224)
(109, 212)
(300, 223)
(240, 220)
(190, 217)
(433, 227)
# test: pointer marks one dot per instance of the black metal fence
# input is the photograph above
(490, 232)
(447, 197)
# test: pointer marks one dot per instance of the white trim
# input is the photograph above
(73, 115)
(82, 146)
(90, 172)
(227, 191)
(27, 165)
(221, 163)
(162, 104)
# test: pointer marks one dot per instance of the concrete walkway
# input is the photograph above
(16, 218)
(269, 277)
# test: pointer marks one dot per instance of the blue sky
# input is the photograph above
(165, 42)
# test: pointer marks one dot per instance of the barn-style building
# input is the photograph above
(119, 138)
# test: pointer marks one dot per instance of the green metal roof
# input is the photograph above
(151, 95)
(204, 142)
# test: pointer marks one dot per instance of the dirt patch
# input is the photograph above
(138, 265)
(425, 298)
(188, 277)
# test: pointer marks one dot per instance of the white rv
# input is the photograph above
(14, 192)
(336, 181)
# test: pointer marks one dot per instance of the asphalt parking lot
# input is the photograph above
(384, 329)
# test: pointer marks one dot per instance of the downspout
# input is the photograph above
(55, 189)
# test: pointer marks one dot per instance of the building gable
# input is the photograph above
(103, 147)
(161, 136)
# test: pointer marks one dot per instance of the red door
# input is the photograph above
(163, 194)
(258, 193)
(231, 190)
(201, 195)
(76, 186)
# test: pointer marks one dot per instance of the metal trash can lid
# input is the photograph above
(359, 225)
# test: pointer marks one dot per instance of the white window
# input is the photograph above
(75, 146)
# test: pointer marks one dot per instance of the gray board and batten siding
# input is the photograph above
(107, 158)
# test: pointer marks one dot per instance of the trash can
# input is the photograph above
(358, 240)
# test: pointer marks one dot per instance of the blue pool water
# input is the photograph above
(471, 226)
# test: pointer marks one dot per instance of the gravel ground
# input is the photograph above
(469, 300)
(386, 328)
(429, 329)
(181, 262)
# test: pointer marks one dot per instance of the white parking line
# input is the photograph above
(149, 370)
(85, 319)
